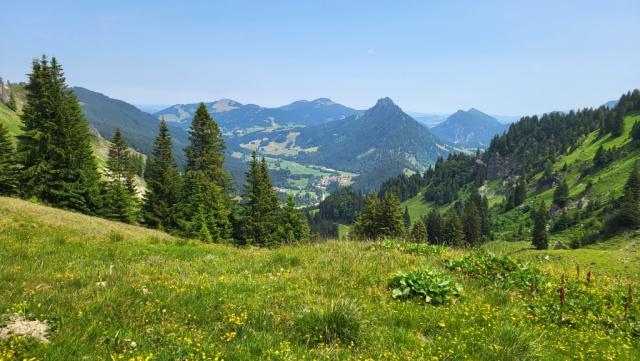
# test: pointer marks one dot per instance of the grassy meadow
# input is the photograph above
(110, 291)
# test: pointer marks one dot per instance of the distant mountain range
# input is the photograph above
(470, 129)
(231, 115)
(376, 144)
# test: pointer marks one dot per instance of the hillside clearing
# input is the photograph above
(113, 291)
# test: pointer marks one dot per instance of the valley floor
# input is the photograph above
(110, 291)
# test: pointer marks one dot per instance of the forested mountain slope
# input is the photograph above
(577, 163)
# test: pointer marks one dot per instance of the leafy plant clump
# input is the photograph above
(425, 285)
(422, 249)
(498, 269)
(340, 323)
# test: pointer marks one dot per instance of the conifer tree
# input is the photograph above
(435, 228)
(391, 223)
(120, 202)
(164, 184)
(418, 232)
(295, 227)
(12, 104)
(628, 215)
(406, 218)
(55, 149)
(520, 193)
(453, 232)
(635, 131)
(8, 166)
(205, 202)
(366, 223)
(119, 162)
(262, 212)
(539, 236)
(561, 194)
(472, 224)
(601, 158)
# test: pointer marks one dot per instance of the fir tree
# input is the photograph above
(163, 184)
(390, 223)
(406, 218)
(453, 233)
(419, 232)
(366, 223)
(601, 158)
(12, 104)
(295, 227)
(55, 149)
(261, 208)
(119, 162)
(628, 215)
(539, 237)
(561, 194)
(472, 224)
(635, 131)
(520, 193)
(8, 166)
(205, 202)
(120, 202)
(435, 227)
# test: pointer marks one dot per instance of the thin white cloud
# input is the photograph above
(371, 52)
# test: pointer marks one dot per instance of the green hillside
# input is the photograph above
(11, 120)
(606, 185)
(111, 291)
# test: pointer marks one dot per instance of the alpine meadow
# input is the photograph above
(189, 223)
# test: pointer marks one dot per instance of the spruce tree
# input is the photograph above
(55, 149)
(12, 104)
(539, 236)
(472, 224)
(520, 192)
(418, 232)
(390, 223)
(628, 215)
(262, 212)
(164, 184)
(601, 158)
(119, 162)
(635, 131)
(8, 166)
(453, 232)
(435, 227)
(205, 201)
(120, 202)
(366, 225)
(295, 227)
(406, 217)
(561, 194)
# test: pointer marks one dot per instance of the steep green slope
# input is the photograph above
(10, 120)
(575, 167)
(112, 291)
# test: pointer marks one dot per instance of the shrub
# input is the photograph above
(502, 269)
(421, 249)
(428, 286)
(340, 323)
(115, 237)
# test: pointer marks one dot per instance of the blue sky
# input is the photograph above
(508, 57)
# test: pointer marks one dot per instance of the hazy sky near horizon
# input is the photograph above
(503, 57)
